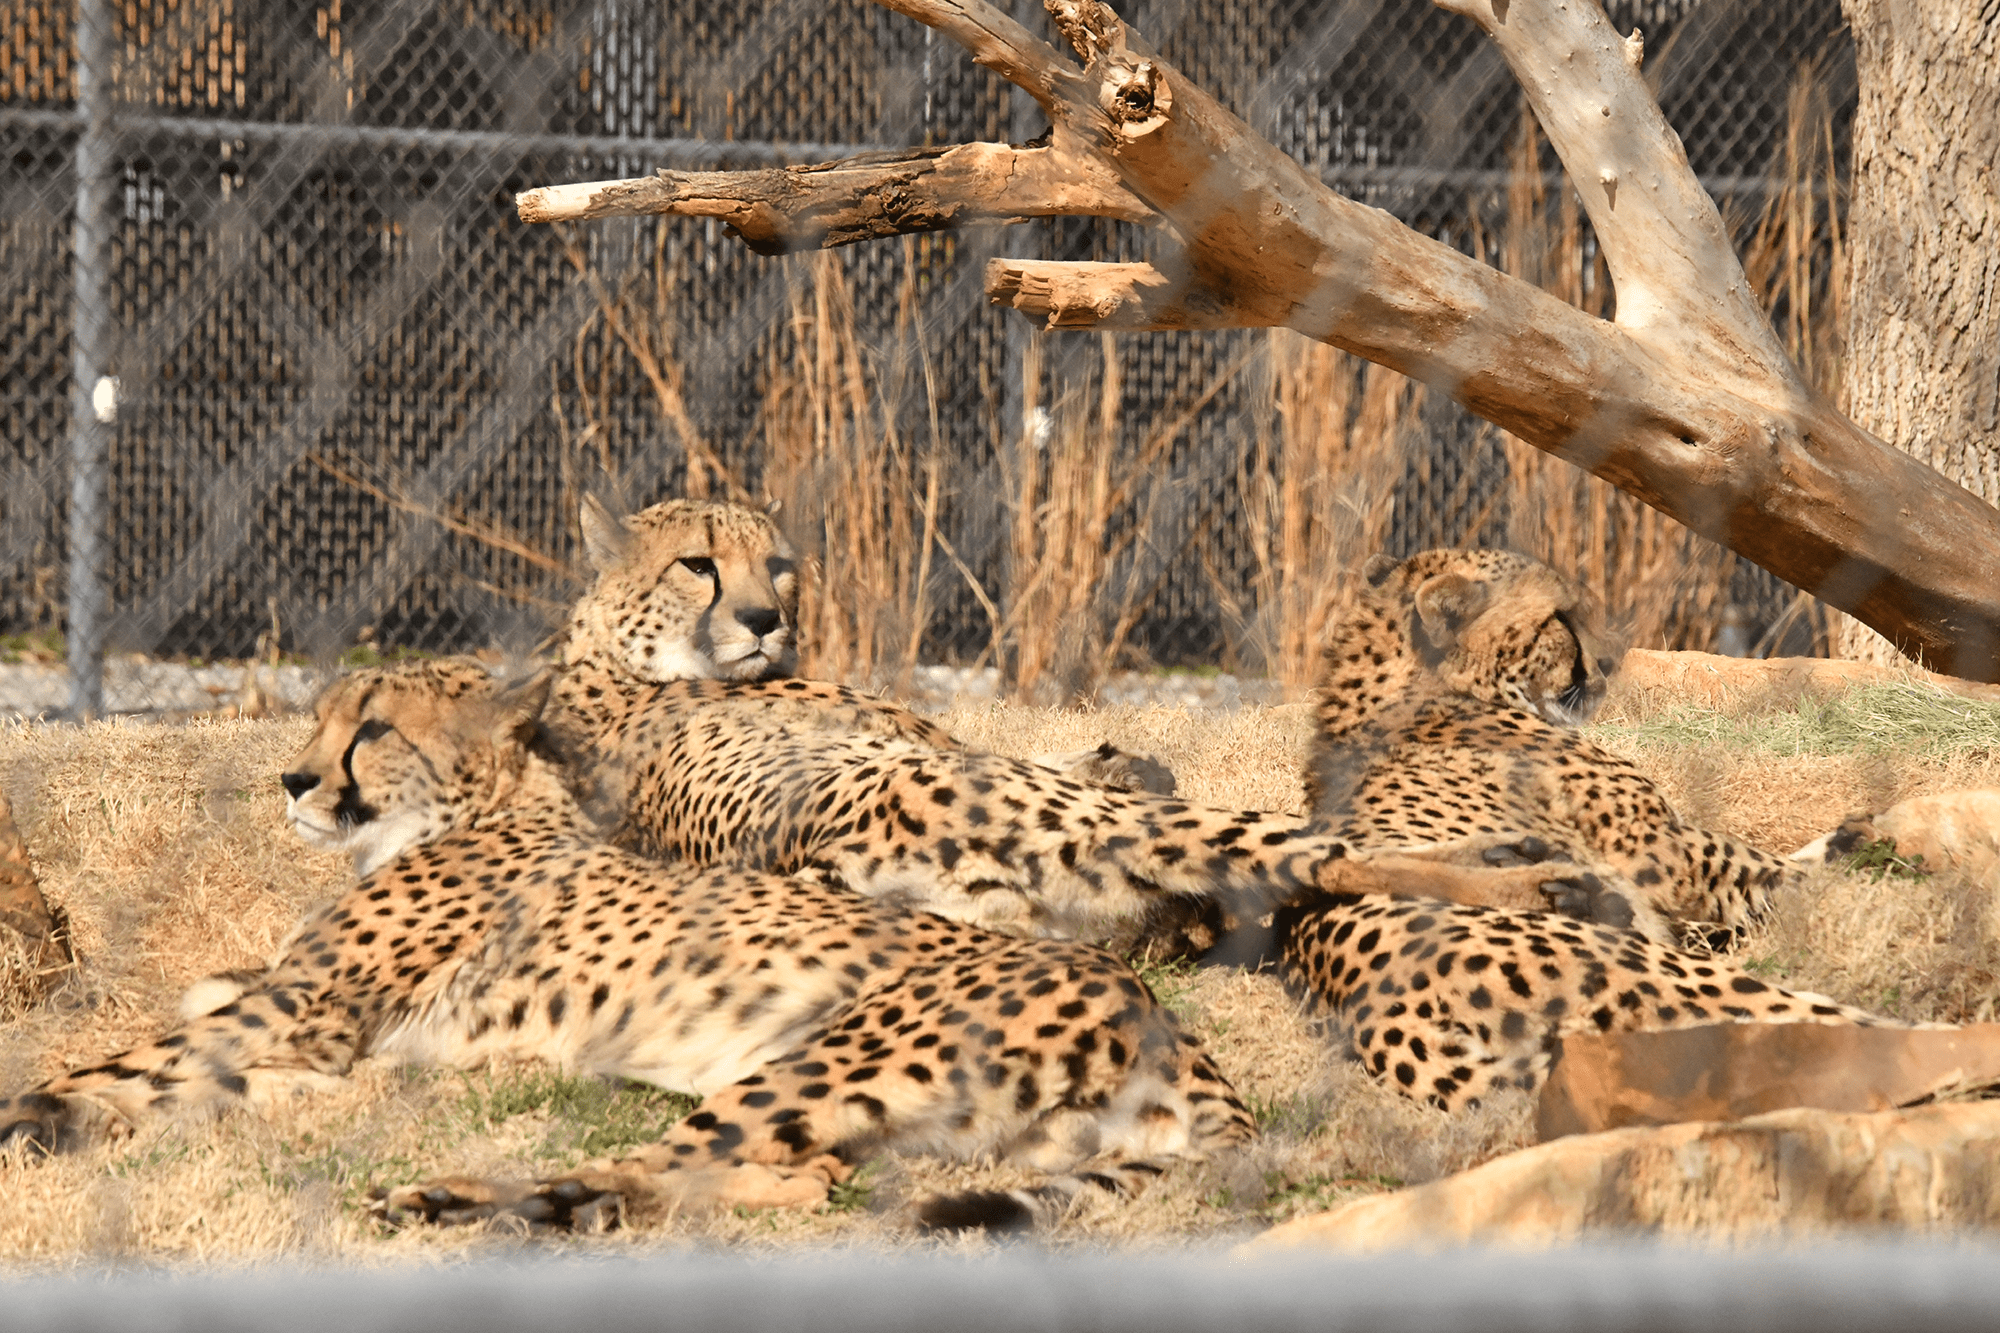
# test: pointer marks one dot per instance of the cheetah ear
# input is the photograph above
(518, 710)
(1377, 568)
(605, 539)
(1447, 603)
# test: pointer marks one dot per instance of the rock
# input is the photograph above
(1952, 830)
(1786, 1175)
(1713, 681)
(1726, 1071)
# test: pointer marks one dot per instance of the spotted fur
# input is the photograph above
(1449, 699)
(819, 1027)
(1449, 1004)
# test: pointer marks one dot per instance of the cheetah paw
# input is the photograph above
(534, 1208)
(1588, 898)
(1528, 851)
(43, 1124)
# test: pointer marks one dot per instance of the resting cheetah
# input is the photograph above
(797, 776)
(818, 1026)
(704, 590)
(1449, 698)
(1447, 1003)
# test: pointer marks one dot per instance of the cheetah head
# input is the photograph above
(1501, 627)
(689, 588)
(404, 753)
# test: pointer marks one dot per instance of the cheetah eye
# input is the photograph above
(699, 565)
(373, 729)
(779, 566)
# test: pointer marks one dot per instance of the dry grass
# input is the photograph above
(166, 846)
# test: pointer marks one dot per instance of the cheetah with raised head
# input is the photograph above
(819, 1026)
(706, 590)
(795, 776)
(1449, 699)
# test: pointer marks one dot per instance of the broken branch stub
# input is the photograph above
(1108, 296)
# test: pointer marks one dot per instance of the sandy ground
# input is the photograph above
(166, 846)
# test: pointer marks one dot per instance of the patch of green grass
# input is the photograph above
(1878, 718)
(1171, 981)
(352, 1172)
(38, 646)
(370, 655)
(853, 1194)
(1317, 1193)
(1298, 1115)
(1879, 860)
(590, 1117)
(1773, 967)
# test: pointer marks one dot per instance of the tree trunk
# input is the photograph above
(1923, 335)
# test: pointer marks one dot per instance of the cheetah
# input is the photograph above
(819, 1027)
(801, 777)
(1449, 700)
(1449, 1004)
(708, 590)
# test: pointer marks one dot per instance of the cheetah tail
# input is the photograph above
(1037, 1207)
(1216, 1123)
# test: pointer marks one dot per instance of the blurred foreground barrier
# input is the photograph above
(1871, 1288)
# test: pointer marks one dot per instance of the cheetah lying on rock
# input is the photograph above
(797, 776)
(819, 1026)
(1449, 700)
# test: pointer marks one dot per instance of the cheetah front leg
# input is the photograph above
(273, 1039)
(1508, 875)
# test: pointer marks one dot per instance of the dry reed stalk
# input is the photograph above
(1319, 486)
(1080, 513)
(851, 488)
(1062, 493)
(645, 331)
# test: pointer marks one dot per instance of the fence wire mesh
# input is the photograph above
(280, 370)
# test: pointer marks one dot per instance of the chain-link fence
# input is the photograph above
(280, 370)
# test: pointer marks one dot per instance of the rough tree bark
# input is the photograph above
(1923, 329)
(1686, 400)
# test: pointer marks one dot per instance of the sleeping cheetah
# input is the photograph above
(1450, 696)
(818, 1026)
(796, 776)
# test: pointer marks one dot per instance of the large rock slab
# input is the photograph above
(1727, 1071)
(1786, 1175)
(1954, 830)
(1660, 678)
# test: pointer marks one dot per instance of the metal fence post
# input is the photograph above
(93, 396)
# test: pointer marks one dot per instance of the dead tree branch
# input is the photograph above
(1685, 400)
(786, 209)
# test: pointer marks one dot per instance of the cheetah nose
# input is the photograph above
(1606, 665)
(298, 784)
(759, 620)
